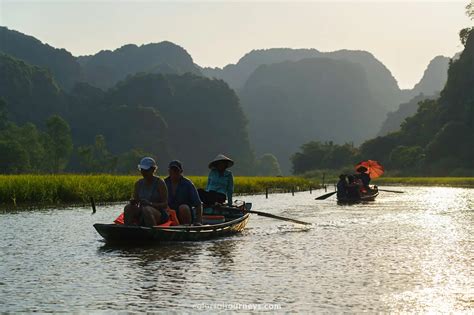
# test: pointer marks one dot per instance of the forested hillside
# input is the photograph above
(106, 68)
(63, 66)
(168, 116)
(438, 139)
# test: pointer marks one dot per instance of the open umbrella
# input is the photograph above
(374, 168)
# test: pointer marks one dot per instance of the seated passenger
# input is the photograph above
(182, 195)
(342, 187)
(150, 198)
(353, 192)
(220, 182)
(363, 176)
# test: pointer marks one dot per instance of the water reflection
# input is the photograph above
(405, 252)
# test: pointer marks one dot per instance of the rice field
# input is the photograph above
(18, 190)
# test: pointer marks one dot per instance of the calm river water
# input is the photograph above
(403, 252)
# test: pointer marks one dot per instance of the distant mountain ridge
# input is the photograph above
(30, 92)
(107, 67)
(384, 87)
(433, 81)
(434, 77)
(62, 64)
(373, 91)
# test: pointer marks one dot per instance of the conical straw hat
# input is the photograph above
(221, 157)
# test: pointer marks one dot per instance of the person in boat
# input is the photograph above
(150, 198)
(182, 195)
(342, 187)
(220, 182)
(353, 192)
(363, 177)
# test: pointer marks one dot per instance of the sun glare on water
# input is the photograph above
(442, 269)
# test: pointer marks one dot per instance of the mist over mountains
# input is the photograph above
(291, 103)
(429, 87)
(305, 107)
(106, 68)
(288, 96)
(438, 138)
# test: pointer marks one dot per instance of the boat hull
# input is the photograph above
(117, 233)
(363, 198)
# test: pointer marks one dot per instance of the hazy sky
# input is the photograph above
(404, 35)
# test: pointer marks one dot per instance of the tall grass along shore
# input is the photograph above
(78, 189)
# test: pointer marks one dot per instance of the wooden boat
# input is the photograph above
(368, 196)
(234, 221)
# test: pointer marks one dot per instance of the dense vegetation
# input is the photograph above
(395, 119)
(63, 66)
(116, 106)
(106, 68)
(319, 156)
(30, 92)
(299, 115)
(436, 140)
(188, 117)
(53, 189)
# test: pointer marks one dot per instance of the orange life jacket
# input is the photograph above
(172, 220)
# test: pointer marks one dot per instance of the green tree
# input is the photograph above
(13, 157)
(470, 10)
(267, 165)
(3, 113)
(316, 155)
(31, 141)
(97, 158)
(58, 143)
(464, 34)
(404, 157)
(128, 161)
(453, 140)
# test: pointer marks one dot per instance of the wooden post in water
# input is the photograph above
(324, 185)
(93, 205)
(310, 189)
(292, 190)
(266, 193)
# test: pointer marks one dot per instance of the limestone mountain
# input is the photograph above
(107, 67)
(63, 66)
(293, 102)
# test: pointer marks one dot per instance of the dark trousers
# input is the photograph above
(211, 197)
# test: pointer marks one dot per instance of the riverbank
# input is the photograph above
(426, 181)
(18, 190)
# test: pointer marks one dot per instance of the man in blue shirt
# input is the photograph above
(182, 195)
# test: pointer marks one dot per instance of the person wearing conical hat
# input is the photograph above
(220, 182)
(363, 177)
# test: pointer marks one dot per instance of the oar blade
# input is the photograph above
(392, 191)
(326, 196)
(269, 215)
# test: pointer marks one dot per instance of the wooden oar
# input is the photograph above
(263, 214)
(325, 196)
(393, 191)
(269, 215)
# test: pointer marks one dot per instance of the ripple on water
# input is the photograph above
(404, 252)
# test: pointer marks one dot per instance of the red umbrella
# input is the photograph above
(374, 168)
